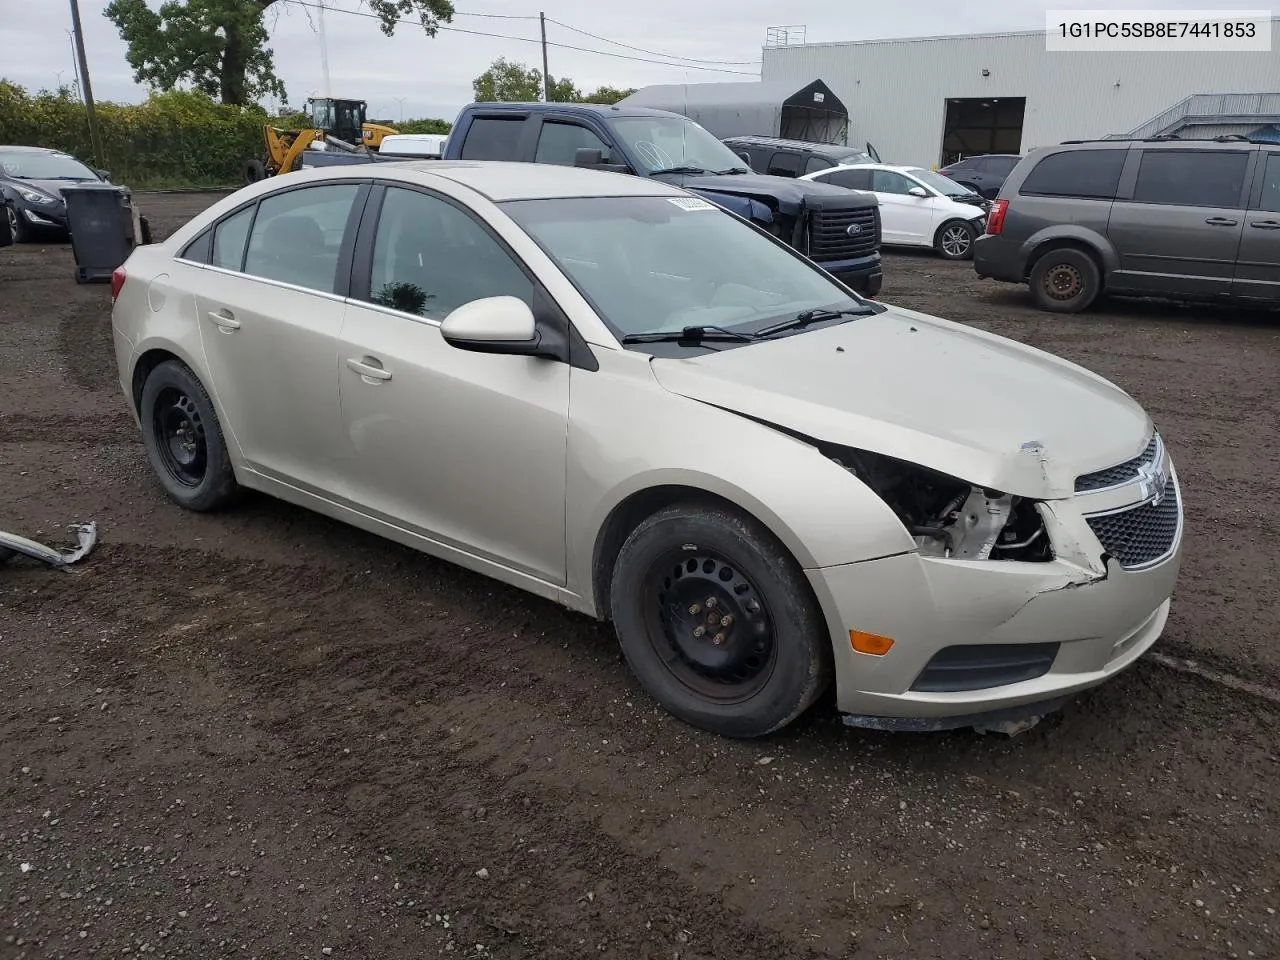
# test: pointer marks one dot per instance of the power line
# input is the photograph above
(550, 43)
(655, 53)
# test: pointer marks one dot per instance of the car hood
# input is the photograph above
(981, 408)
(52, 187)
(789, 193)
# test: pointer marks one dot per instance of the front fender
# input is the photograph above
(627, 435)
(744, 207)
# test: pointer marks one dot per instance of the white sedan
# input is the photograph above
(918, 208)
(610, 393)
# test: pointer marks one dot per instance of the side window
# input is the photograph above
(493, 138)
(817, 163)
(1270, 199)
(228, 240)
(1002, 166)
(1191, 178)
(886, 181)
(852, 179)
(558, 142)
(429, 258)
(297, 235)
(1086, 174)
(198, 250)
(785, 165)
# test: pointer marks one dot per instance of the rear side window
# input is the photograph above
(1270, 200)
(493, 138)
(1087, 174)
(850, 179)
(198, 249)
(228, 240)
(817, 163)
(1191, 178)
(559, 142)
(297, 236)
(785, 165)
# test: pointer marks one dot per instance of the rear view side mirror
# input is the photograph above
(918, 192)
(493, 325)
(103, 174)
(593, 159)
(746, 157)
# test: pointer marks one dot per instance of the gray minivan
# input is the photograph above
(1183, 219)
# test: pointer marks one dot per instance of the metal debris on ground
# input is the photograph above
(60, 557)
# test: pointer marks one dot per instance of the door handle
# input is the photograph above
(1266, 224)
(368, 368)
(225, 320)
(1221, 222)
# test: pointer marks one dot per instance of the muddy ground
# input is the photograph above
(263, 735)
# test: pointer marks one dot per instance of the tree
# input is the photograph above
(509, 82)
(220, 46)
(607, 95)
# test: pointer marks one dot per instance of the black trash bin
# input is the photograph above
(100, 220)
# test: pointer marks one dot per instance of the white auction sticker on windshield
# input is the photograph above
(691, 203)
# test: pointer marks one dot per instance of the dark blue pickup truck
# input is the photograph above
(836, 228)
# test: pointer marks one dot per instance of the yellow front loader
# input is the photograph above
(337, 123)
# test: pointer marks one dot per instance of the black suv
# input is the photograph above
(794, 158)
(837, 229)
(984, 174)
(1178, 219)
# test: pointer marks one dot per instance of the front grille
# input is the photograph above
(829, 237)
(1121, 473)
(1140, 536)
(981, 666)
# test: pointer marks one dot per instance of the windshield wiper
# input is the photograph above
(690, 335)
(686, 169)
(721, 173)
(806, 317)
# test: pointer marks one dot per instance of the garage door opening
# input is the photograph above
(975, 126)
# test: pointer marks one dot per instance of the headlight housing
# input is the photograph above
(35, 196)
(948, 517)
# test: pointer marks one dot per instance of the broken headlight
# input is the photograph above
(948, 517)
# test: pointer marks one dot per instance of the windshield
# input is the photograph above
(656, 264)
(663, 143)
(44, 166)
(944, 185)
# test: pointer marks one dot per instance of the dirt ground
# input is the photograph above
(265, 735)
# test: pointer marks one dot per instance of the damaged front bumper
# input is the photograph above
(1002, 638)
(86, 538)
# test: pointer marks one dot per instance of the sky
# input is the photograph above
(411, 75)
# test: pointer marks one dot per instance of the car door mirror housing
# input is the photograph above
(494, 325)
(918, 192)
(593, 159)
(104, 175)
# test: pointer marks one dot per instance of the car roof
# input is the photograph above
(500, 180)
(16, 149)
(893, 167)
(603, 109)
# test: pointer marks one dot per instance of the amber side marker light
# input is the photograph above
(870, 643)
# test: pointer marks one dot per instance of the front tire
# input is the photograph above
(1065, 280)
(18, 229)
(254, 170)
(718, 622)
(954, 240)
(184, 440)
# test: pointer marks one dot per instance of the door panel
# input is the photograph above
(903, 218)
(1258, 269)
(270, 339)
(1181, 231)
(466, 448)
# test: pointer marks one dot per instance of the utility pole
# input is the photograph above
(546, 79)
(324, 50)
(85, 87)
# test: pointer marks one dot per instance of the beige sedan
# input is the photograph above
(611, 393)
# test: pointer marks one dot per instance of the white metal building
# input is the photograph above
(926, 101)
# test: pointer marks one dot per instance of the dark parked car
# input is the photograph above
(31, 182)
(837, 229)
(794, 158)
(984, 174)
(1179, 219)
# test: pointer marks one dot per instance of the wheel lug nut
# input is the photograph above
(695, 610)
(726, 620)
(699, 631)
(718, 639)
(711, 603)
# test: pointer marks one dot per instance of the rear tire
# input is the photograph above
(254, 170)
(954, 240)
(184, 441)
(1065, 280)
(718, 622)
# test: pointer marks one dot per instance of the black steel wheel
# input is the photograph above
(718, 622)
(184, 439)
(1065, 280)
